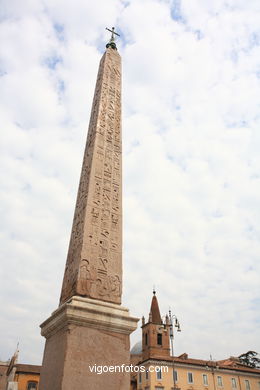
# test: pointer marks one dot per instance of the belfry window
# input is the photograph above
(159, 338)
(146, 338)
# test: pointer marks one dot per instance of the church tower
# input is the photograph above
(90, 327)
(155, 334)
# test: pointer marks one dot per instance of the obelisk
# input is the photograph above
(90, 327)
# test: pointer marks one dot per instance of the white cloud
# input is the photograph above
(191, 164)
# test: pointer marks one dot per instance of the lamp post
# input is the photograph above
(173, 323)
(213, 367)
(173, 319)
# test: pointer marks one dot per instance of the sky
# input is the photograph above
(191, 163)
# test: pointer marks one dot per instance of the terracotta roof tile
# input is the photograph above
(224, 364)
(155, 311)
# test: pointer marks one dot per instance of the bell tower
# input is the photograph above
(155, 334)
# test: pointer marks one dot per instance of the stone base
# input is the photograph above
(82, 334)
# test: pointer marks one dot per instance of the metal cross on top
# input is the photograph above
(112, 39)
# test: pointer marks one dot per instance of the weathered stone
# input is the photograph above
(94, 262)
(90, 327)
(80, 334)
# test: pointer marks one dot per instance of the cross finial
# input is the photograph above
(111, 42)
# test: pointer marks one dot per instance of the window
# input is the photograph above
(159, 338)
(159, 388)
(247, 384)
(146, 374)
(219, 379)
(158, 373)
(32, 385)
(146, 338)
(205, 379)
(190, 377)
(233, 383)
(140, 377)
(175, 376)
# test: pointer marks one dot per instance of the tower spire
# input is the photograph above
(155, 311)
(155, 333)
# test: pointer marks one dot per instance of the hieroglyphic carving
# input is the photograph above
(94, 259)
(97, 281)
(109, 286)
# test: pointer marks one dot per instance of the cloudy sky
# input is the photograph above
(191, 162)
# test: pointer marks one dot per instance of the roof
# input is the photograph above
(227, 364)
(137, 348)
(155, 311)
(28, 368)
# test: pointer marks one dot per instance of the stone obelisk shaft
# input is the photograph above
(90, 327)
(94, 262)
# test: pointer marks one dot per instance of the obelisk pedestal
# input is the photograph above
(82, 336)
(91, 329)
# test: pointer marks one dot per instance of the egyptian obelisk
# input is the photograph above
(90, 327)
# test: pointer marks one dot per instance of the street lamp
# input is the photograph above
(172, 321)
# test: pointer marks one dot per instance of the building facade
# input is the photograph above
(161, 371)
(15, 376)
(27, 376)
(3, 377)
